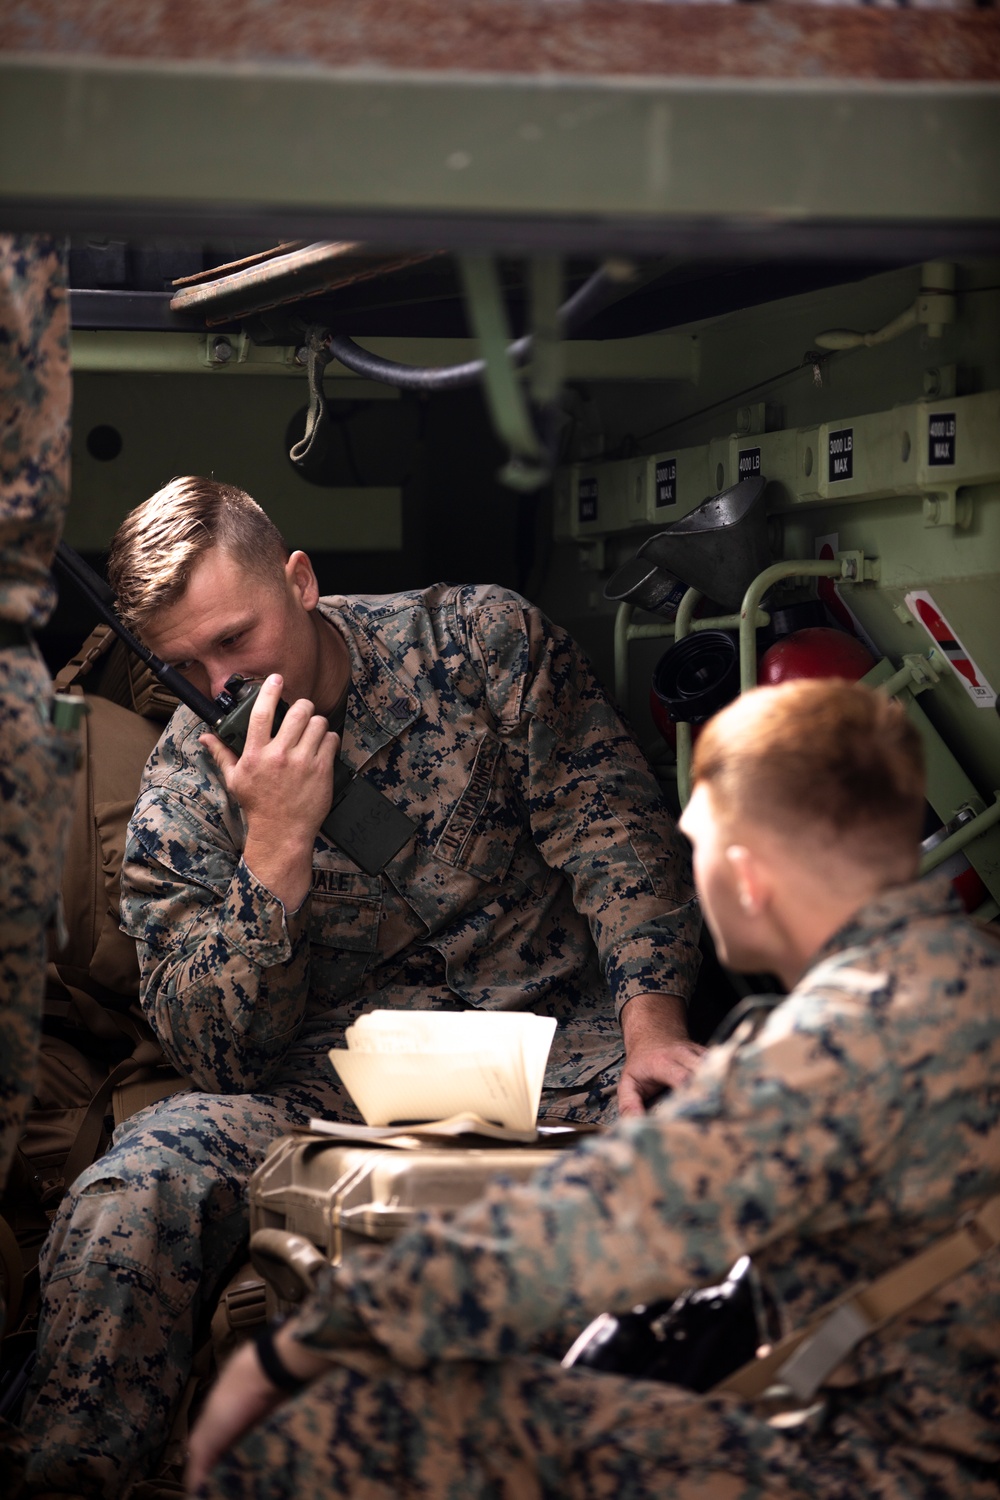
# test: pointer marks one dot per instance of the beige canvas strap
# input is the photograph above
(84, 1149)
(98, 643)
(141, 1078)
(805, 1359)
(125, 679)
(147, 1088)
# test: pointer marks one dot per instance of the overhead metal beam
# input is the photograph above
(398, 158)
(653, 356)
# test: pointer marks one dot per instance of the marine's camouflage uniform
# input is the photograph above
(545, 874)
(852, 1128)
(36, 762)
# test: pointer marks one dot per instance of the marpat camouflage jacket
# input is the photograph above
(545, 873)
(844, 1134)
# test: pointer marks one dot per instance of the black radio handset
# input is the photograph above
(362, 821)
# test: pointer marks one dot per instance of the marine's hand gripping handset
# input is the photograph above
(362, 821)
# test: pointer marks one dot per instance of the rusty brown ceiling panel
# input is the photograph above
(561, 37)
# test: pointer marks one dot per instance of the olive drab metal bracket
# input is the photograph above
(938, 450)
(938, 455)
(973, 820)
(935, 306)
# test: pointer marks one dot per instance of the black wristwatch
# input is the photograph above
(271, 1362)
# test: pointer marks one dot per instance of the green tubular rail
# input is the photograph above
(682, 626)
(749, 620)
(962, 836)
(794, 568)
(626, 632)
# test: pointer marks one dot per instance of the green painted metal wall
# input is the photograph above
(899, 515)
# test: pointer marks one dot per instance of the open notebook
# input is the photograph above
(404, 1067)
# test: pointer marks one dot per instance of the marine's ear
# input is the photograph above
(301, 578)
(750, 879)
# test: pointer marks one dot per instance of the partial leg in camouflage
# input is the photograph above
(522, 1430)
(138, 1251)
(36, 783)
(35, 761)
(529, 1430)
(36, 780)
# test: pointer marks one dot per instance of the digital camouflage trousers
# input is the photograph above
(138, 1253)
(141, 1247)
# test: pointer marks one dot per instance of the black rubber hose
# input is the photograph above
(585, 303)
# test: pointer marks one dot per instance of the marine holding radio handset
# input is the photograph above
(361, 821)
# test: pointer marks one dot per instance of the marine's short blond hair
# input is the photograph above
(157, 545)
(826, 761)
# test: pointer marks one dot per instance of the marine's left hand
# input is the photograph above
(659, 1054)
(241, 1397)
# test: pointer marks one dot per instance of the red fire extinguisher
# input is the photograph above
(818, 651)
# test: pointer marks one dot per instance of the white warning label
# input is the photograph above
(922, 605)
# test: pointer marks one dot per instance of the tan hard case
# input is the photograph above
(340, 1195)
(315, 1199)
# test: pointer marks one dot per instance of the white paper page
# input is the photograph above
(451, 1031)
(408, 1087)
(535, 1045)
(509, 1051)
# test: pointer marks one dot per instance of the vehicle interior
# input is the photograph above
(687, 381)
(690, 337)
